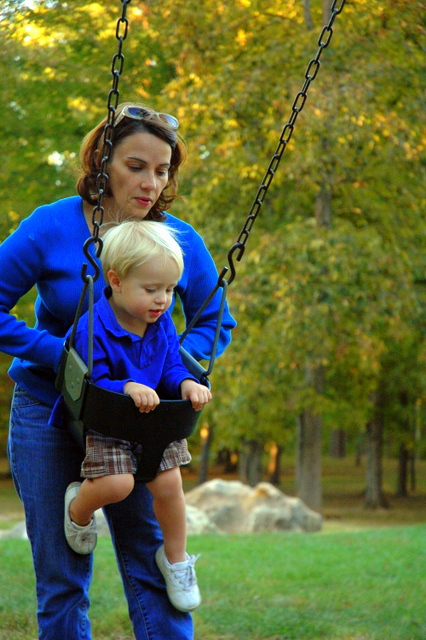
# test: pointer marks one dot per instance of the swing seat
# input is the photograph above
(89, 406)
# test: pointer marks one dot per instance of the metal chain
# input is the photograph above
(108, 137)
(298, 104)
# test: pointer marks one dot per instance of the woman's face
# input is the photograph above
(138, 173)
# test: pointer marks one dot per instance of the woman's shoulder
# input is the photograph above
(187, 236)
(61, 214)
(68, 206)
(179, 225)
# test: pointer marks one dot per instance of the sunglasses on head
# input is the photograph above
(140, 113)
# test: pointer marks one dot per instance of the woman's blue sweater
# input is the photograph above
(46, 250)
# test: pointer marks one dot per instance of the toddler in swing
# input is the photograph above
(135, 351)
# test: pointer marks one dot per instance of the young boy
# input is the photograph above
(135, 349)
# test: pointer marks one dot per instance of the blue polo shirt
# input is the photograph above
(119, 356)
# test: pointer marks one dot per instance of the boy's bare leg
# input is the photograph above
(96, 493)
(170, 511)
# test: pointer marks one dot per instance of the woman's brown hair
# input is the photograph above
(91, 150)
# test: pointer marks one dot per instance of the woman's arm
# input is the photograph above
(21, 266)
(199, 279)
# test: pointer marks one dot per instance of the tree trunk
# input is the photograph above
(207, 437)
(403, 467)
(250, 462)
(374, 497)
(359, 450)
(323, 205)
(326, 10)
(413, 471)
(308, 15)
(308, 459)
(338, 443)
(274, 467)
(228, 459)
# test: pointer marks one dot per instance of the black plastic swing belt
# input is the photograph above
(91, 407)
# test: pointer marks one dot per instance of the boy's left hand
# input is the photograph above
(197, 393)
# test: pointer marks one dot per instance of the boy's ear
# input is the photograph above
(114, 280)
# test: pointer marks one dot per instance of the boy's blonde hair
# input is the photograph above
(131, 243)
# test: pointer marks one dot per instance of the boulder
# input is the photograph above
(234, 507)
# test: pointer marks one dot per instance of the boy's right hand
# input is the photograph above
(145, 398)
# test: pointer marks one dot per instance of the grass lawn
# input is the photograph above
(363, 585)
(361, 578)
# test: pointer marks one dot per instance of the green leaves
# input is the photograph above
(342, 296)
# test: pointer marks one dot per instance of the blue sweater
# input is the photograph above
(47, 251)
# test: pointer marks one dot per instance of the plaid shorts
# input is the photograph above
(107, 456)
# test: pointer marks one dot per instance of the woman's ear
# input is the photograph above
(114, 280)
(98, 158)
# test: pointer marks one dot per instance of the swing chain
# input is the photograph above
(324, 39)
(108, 137)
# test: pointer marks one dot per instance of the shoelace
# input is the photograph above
(186, 576)
(81, 535)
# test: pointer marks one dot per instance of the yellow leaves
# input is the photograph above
(14, 220)
(242, 37)
(32, 34)
(49, 72)
(317, 243)
(79, 104)
(13, 216)
(250, 172)
(94, 10)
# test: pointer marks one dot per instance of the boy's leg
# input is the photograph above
(136, 536)
(170, 511)
(172, 560)
(95, 493)
(81, 502)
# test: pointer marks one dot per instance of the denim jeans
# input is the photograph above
(44, 460)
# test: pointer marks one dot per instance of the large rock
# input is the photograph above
(234, 507)
(221, 506)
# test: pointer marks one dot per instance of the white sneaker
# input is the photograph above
(81, 539)
(181, 581)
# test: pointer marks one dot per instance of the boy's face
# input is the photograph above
(144, 294)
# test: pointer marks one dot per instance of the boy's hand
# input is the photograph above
(144, 397)
(197, 393)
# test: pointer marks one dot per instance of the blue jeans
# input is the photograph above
(44, 460)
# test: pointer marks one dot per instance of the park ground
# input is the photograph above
(361, 578)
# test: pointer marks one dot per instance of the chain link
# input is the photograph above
(108, 137)
(238, 248)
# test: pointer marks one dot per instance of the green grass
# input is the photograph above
(361, 578)
(363, 585)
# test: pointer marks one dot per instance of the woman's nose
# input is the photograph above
(148, 180)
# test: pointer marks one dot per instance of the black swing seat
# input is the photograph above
(89, 406)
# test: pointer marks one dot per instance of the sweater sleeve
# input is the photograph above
(21, 264)
(199, 279)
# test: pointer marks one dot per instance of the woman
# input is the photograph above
(46, 251)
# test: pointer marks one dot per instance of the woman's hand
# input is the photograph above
(197, 393)
(145, 398)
